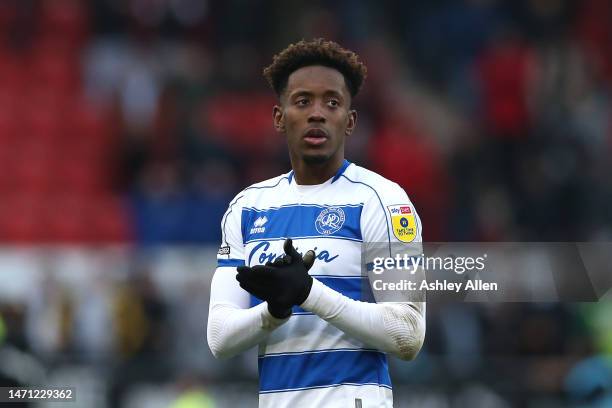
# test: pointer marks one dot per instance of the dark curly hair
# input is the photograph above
(315, 52)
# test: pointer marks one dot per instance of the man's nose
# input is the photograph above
(316, 113)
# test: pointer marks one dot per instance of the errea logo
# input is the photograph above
(258, 225)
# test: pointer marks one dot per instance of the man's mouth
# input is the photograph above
(315, 137)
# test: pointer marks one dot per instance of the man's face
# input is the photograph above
(315, 114)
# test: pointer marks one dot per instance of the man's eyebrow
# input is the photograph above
(334, 93)
(300, 92)
(304, 92)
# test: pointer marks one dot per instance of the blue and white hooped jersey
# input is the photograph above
(307, 362)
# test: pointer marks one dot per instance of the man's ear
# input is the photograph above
(279, 119)
(352, 122)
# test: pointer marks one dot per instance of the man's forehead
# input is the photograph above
(316, 78)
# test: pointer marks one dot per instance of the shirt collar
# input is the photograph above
(339, 173)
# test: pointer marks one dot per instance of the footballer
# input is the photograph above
(289, 275)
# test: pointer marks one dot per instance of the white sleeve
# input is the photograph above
(233, 327)
(396, 328)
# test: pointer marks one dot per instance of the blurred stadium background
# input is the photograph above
(127, 126)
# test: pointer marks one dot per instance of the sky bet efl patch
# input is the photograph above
(403, 222)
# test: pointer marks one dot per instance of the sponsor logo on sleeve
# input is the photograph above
(403, 222)
(224, 250)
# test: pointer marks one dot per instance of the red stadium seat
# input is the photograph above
(66, 20)
(242, 121)
(31, 170)
(72, 218)
(6, 170)
(78, 175)
(9, 124)
(11, 72)
(55, 68)
(42, 125)
(64, 218)
(20, 219)
(90, 123)
(111, 221)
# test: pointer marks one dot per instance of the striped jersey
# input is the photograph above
(307, 362)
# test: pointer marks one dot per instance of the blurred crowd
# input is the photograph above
(148, 116)
(135, 122)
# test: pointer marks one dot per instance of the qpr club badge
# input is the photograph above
(330, 220)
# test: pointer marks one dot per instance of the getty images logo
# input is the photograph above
(258, 225)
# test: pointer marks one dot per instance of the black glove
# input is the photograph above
(283, 283)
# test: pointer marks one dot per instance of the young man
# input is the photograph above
(321, 343)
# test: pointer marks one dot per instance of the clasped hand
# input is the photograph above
(282, 283)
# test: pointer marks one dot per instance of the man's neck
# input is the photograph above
(318, 173)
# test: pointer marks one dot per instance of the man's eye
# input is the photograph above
(333, 103)
(302, 102)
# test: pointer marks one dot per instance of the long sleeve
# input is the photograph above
(233, 327)
(396, 328)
